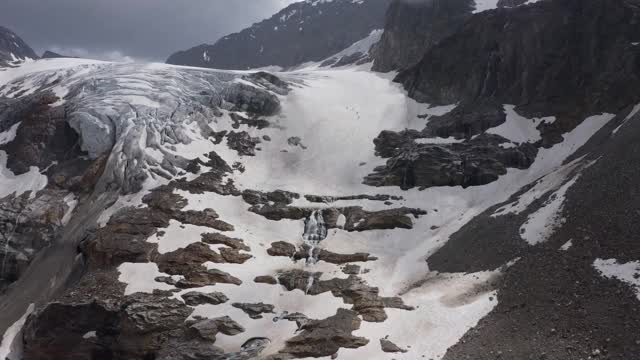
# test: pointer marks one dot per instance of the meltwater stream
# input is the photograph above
(315, 230)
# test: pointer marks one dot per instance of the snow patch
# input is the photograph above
(484, 5)
(449, 140)
(89, 335)
(566, 246)
(140, 277)
(10, 183)
(8, 136)
(629, 273)
(633, 113)
(11, 347)
(519, 129)
(541, 224)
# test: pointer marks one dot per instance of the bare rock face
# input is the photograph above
(302, 32)
(275, 206)
(389, 347)
(249, 99)
(510, 3)
(365, 299)
(285, 249)
(528, 55)
(220, 239)
(466, 120)
(476, 162)
(124, 239)
(254, 311)
(123, 329)
(200, 278)
(195, 298)
(325, 337)
(207, 329)
(282, 248)
(243, 143)
(278, 197)
(266, 279)
(28, 225)
(57, 146)
(413, 27)
(192, 349)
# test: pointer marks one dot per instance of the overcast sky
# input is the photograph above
(140, 29)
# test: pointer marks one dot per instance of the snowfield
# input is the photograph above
(336, 114)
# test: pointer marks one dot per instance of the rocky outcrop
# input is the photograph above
(476, 162)
(413, 27)
(387, 346)
(281, 248)
(13, 48)
(310, 30)
(365, 299)
(551, 56)
(243, 143)
(465, 121)
(27, 225)
(57, 147)
(126, 329)
(325, 337)
(207, 329)
(195, 298)
(254, 311)
(275, 206)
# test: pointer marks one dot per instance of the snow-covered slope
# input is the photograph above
(484, 5)
(243, 195)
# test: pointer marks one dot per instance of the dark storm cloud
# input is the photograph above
(145, 29)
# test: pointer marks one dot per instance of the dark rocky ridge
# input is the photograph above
(309, 30)
(559, 57)
(10, 43)
(474, 162)
(413, 27)
(53, 55)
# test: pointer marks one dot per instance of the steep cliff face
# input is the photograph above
(310, 30)
(559, 56)
(13, 48)
(413, 26)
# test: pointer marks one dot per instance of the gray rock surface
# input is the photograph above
(475, 162)
(325, 337)
(541, 42)
(413, 27)
(195, 298)
(256, 310)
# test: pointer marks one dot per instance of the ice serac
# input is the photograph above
(305, 31)
(77, 134)
(13, 49)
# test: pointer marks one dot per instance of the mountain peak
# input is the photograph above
(305, 31)
(13, 48)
